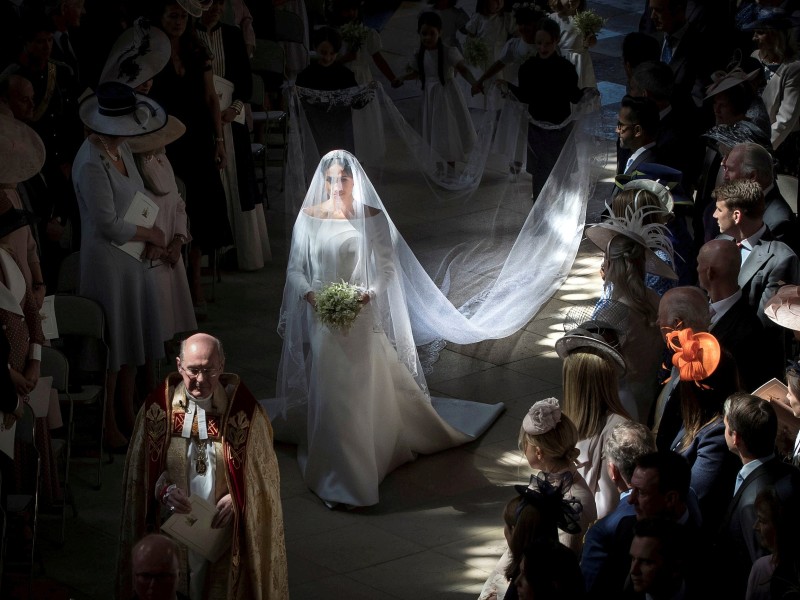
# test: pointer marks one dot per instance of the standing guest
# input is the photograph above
(155, 562)
(628, 441)
(751, 161)
(186, 90)
(550, 112)
(590, 374)
(766, 263)
(66, 18)
(751, 427)
(659, 489)
(231, 67)
(734, 324)
(627, 255)
(548, 440)
(659, 563)
(106, 181)
(782, 73)
(708, 376)
(202, 434)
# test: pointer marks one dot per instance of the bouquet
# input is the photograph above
(354, 34)
(338, 305)
(589, 23)
(476, 52)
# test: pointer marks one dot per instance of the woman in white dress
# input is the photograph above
(360, 394)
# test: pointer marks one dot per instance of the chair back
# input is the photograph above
(81, 330)
(54, 364)
(268, 56)
(69, 273)
(289, 27)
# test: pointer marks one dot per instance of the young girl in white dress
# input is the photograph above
(454, 19)
(494, 26)
(444, 122)
(572, 43)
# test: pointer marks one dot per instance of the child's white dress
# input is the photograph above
(445, 122)
(512, 129)
(573, 48)
(494, 30)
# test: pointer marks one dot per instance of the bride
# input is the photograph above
(361, 395)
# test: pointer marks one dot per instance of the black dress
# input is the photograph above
(192, 155)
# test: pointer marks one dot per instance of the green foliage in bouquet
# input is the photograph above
(589, 23)
(476, 52)
(354, 34)
(338, 305)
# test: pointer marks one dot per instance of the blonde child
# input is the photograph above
(549, 439)
(445, 122)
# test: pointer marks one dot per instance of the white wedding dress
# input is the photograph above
(365, 413)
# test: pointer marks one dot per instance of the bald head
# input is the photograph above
(681, 307)
(200, 364)
(203, 342)
(718, 264)
(17, 93)
(156, 564)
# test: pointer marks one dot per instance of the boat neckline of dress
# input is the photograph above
(331, 218)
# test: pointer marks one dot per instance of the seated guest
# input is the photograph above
(627, 442)
(751, 427)
(766, 263)
(637, 128)
(733, 321)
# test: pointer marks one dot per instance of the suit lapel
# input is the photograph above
(760, 254)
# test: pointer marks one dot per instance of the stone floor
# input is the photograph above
(437, 531)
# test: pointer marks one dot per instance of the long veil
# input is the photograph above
(486, 275)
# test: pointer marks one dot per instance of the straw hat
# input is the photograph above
(138, 55)
(602, 233)
(726, 80)
(595, 335)
(22, 151)
(158, 139)
(784, 307)
(116, 110)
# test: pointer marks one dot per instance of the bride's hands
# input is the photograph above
(311, 298)
(364, 299)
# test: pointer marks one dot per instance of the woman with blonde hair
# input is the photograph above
(548, 440)
(591, 371)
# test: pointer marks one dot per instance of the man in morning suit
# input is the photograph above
(751, 427)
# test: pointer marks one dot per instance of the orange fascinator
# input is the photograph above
(697, 355)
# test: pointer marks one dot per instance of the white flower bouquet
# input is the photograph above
(476, 52)
(589, 23)
(354, 34)
(338, 305)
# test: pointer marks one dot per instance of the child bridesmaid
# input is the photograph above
(454, 18)
(572, 43)
(493, 26)
(445, 122)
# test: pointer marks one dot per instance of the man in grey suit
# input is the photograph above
(752, 161)
(766, 263)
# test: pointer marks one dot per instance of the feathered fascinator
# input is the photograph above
(548, 498)
(653, 236)
(697, 355)
(542, 417)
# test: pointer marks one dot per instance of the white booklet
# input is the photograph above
(48, 314)
(224, 89)
(776, 392)
(39, 397)
(142, 211)
(195, 532)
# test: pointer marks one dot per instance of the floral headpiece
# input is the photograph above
(549, 498)
(542, 417)
(697, 355)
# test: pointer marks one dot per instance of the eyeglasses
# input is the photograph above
(621, 126)
(195, 372)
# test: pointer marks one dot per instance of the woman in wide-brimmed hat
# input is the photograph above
(628, 246)
(106, 180)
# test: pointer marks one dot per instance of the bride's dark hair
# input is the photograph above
(431, 19)
(347, 168)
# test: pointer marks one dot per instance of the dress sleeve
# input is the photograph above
(380, 240)
(373, 42)
(297, 270)
(93, 185)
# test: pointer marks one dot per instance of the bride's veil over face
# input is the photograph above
(342, 233)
